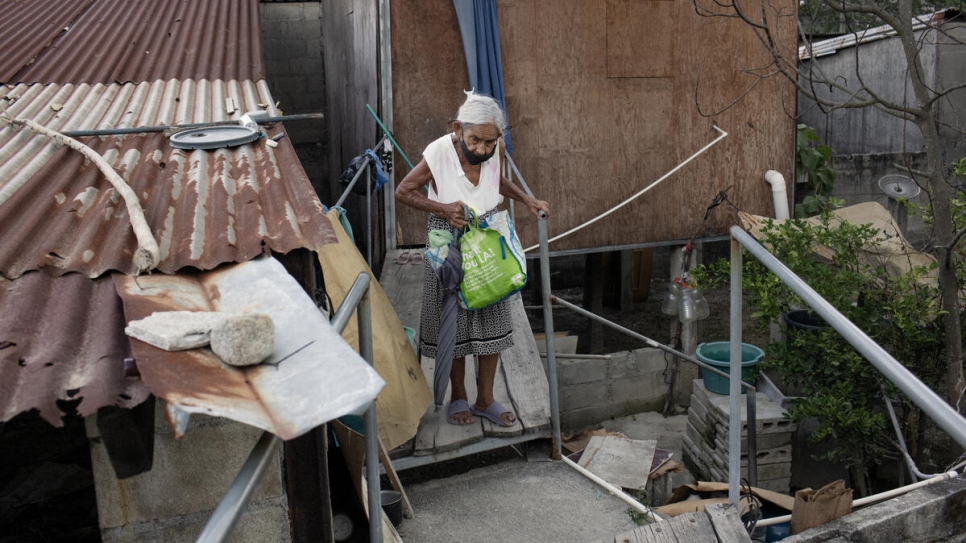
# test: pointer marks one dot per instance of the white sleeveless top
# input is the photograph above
(453, 184)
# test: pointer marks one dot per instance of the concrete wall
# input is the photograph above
(172, 502)
(933, 513)
(292, 34)
(594, 390)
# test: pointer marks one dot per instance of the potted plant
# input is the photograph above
(838, 388)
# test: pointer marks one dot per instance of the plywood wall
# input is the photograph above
(349, 28)
(604, 97)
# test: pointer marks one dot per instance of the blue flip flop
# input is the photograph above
(454, 407)
(493, 413)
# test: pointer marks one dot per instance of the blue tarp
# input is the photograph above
(481, 44)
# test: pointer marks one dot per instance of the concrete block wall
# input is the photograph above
(173, 501)
(292, 36)
(594, 390)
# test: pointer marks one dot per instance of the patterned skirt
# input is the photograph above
(481, 331)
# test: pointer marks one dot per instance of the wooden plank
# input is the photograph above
(693, 527)
(526, 380)
(619, 460)
(726, 523)
(435, 433)
(502, 395)
(403, 285)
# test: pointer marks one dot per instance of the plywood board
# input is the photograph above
(605, 97)
(619, 460)
(403, 284)
(526, 380)
(435, 433)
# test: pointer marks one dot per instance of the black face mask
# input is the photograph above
(472, 158)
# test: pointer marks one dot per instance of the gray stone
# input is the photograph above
(244, 340)
(176, 330)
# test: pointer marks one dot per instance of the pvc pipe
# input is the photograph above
(874, 498)
(630, 199)
(613, 490)
(778, 193)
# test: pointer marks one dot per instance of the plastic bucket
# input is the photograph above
(392, 505)
(411, 335)
(718, 355)
(802, 320)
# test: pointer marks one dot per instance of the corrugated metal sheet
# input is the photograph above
(832, 45)
(111, 41)
(57, 211)
(59, 341)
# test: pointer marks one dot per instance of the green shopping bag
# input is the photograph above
(493, 268)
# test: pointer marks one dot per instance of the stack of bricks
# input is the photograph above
(706, 439)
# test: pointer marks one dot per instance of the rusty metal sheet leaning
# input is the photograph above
(312, 377)
(62, 339)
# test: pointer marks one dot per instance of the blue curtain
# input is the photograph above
(481, 44)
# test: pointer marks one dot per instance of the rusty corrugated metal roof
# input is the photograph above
(120, 65)
(57, 210)
(59, 341)
(109, 41)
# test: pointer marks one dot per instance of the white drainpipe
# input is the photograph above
(777, 182)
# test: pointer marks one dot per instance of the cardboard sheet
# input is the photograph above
(406, 395)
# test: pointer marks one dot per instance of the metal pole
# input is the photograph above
(162, 128)
(226, 515)
(362, 168)
(734, 419)
(342, 315)
(924, 397)
(369, 215)
(385, 105)
(389, 135)
(548, 331)
(372, 436)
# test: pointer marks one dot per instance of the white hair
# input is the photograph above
(481, 109)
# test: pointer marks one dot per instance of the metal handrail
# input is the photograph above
(921, 395)
(229, 510)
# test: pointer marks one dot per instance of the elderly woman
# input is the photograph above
(463, 167)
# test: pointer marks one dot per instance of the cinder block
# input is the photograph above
(266, 520)
(586, 395)
(637, 388)
(274, 28)
(764, 456)
(576, 371)
(305, 66)
(189, 475)
(281, 11)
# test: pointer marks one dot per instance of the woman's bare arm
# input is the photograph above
(410, 192)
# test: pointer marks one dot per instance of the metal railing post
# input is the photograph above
(734, 419)
(364, 317)
(548, 331)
